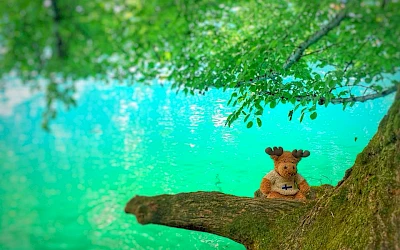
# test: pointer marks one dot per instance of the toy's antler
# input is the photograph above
(276, 151)
(300, 154)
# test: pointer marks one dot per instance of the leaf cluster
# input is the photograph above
(203, 44)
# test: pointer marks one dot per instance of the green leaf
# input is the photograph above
(296, 107)
(249, 124)
(345, 105)
(290, 115)
(313, 116)
(301, 117)
(377, 88)
(258, 106)
(272, 104)
(259, 122)
(246, 118)
(313, 108)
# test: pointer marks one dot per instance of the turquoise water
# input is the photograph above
(67, 189)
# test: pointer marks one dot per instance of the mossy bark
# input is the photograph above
(361, 212)
(217, 213)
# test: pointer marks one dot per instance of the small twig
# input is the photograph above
(321, 49)
(354, 55)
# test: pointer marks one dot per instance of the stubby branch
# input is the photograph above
(237, 218)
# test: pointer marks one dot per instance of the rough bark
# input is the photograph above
(213, 212)
(361, 212)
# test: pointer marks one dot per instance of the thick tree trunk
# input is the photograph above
(362, 212)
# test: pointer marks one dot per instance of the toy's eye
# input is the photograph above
(293, 168)
(285, 167)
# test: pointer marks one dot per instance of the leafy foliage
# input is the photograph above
(201, 44)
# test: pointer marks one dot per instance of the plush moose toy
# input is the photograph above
(284, 181)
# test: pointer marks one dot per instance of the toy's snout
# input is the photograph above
(287, 169)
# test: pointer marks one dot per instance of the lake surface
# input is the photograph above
(67, 189)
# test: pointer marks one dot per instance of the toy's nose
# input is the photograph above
(292, 170)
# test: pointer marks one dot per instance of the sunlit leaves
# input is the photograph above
(202, 44)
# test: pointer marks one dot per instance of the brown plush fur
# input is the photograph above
(265, 186)
(285, 165)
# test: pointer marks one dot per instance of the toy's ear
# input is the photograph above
(274, 153)
(299, 154)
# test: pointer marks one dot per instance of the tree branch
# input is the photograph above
(225, 215)
(354, 55)
(365, 97)
(297, 54)
(322, 100)
(57, 18)
(321, 49)
(384, 3)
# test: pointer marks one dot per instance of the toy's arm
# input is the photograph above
(302, 184)
(304, 187)
(265, 186)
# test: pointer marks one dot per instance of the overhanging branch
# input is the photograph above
(297, 54)
(365, 97)
(322, 100)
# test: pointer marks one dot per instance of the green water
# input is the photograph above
(67, 189)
